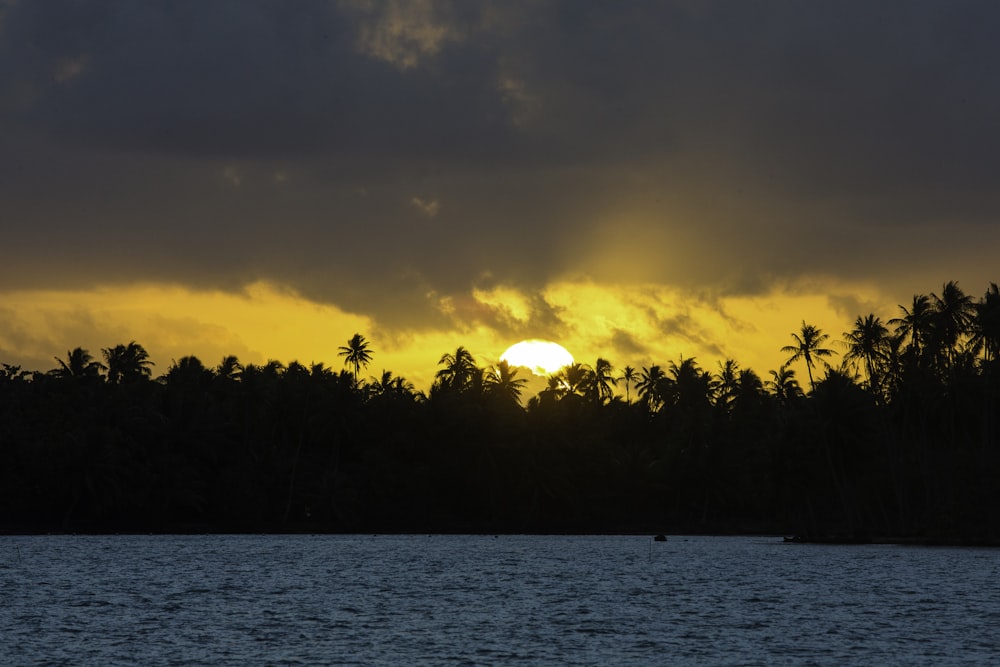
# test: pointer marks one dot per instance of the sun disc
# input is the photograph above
(542, 357)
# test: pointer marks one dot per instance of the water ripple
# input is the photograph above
(363, 600)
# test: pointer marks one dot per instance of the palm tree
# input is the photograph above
(404, 388)
(986, 337)
(501, 381)
(808, 347)
(629, 376)
(578, 379)
(690, 386)
(915, 324)
(555, 389)
(986, 325)
(783, 384)
(727, 382)
(389, 385)
(79, 363)
(379, 386)
(127, 363)
(867, 343)
(296, 369)
(892, 364)
(748, 384)
(229, 368)
(953, 313)
(603, 380)
(357, 353)
(188, 371)
(318, 370)
(651, 387)
(460, 372)
(273, 369)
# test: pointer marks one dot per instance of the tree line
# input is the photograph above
(894, 436)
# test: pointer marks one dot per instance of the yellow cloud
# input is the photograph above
(506, 300)
(261, 323)
(643, 324)
(633, 324)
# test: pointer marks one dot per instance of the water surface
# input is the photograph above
(483, 600)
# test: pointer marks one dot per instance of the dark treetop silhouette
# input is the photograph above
(899, 441)
(356, 353)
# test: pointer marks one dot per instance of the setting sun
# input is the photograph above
(542, 357)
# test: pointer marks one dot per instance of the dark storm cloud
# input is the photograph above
(735, 143)
(233, 78)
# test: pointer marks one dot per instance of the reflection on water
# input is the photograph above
(364, 600)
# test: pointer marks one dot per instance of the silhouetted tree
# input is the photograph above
(868, 344)
(300, 447)
(13, 373)
(460, 373)
(986, 325)
(952, 315)
(127, 363)
(188, 371)
(689, 386)
(378, 386)
(604, 380)
(748, 384)
(629, 376)
(229, 368)
(915, 326)
(356, 353)
(808, 347)
(578, 380)
(79, 363)
(783, 384)
(501, 381)
(726, 383)
(651, 387)
(389, 385)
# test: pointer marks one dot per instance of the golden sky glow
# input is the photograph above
(634, 181)
(635, 325)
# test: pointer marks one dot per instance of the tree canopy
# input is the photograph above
(898, 440)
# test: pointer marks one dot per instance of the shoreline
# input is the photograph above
(791, 539)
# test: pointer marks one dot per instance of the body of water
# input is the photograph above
(483, 600)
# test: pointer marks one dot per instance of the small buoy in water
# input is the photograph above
(660, 538)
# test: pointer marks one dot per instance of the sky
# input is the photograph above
(639, 181)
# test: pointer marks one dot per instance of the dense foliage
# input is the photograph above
(897, 440)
